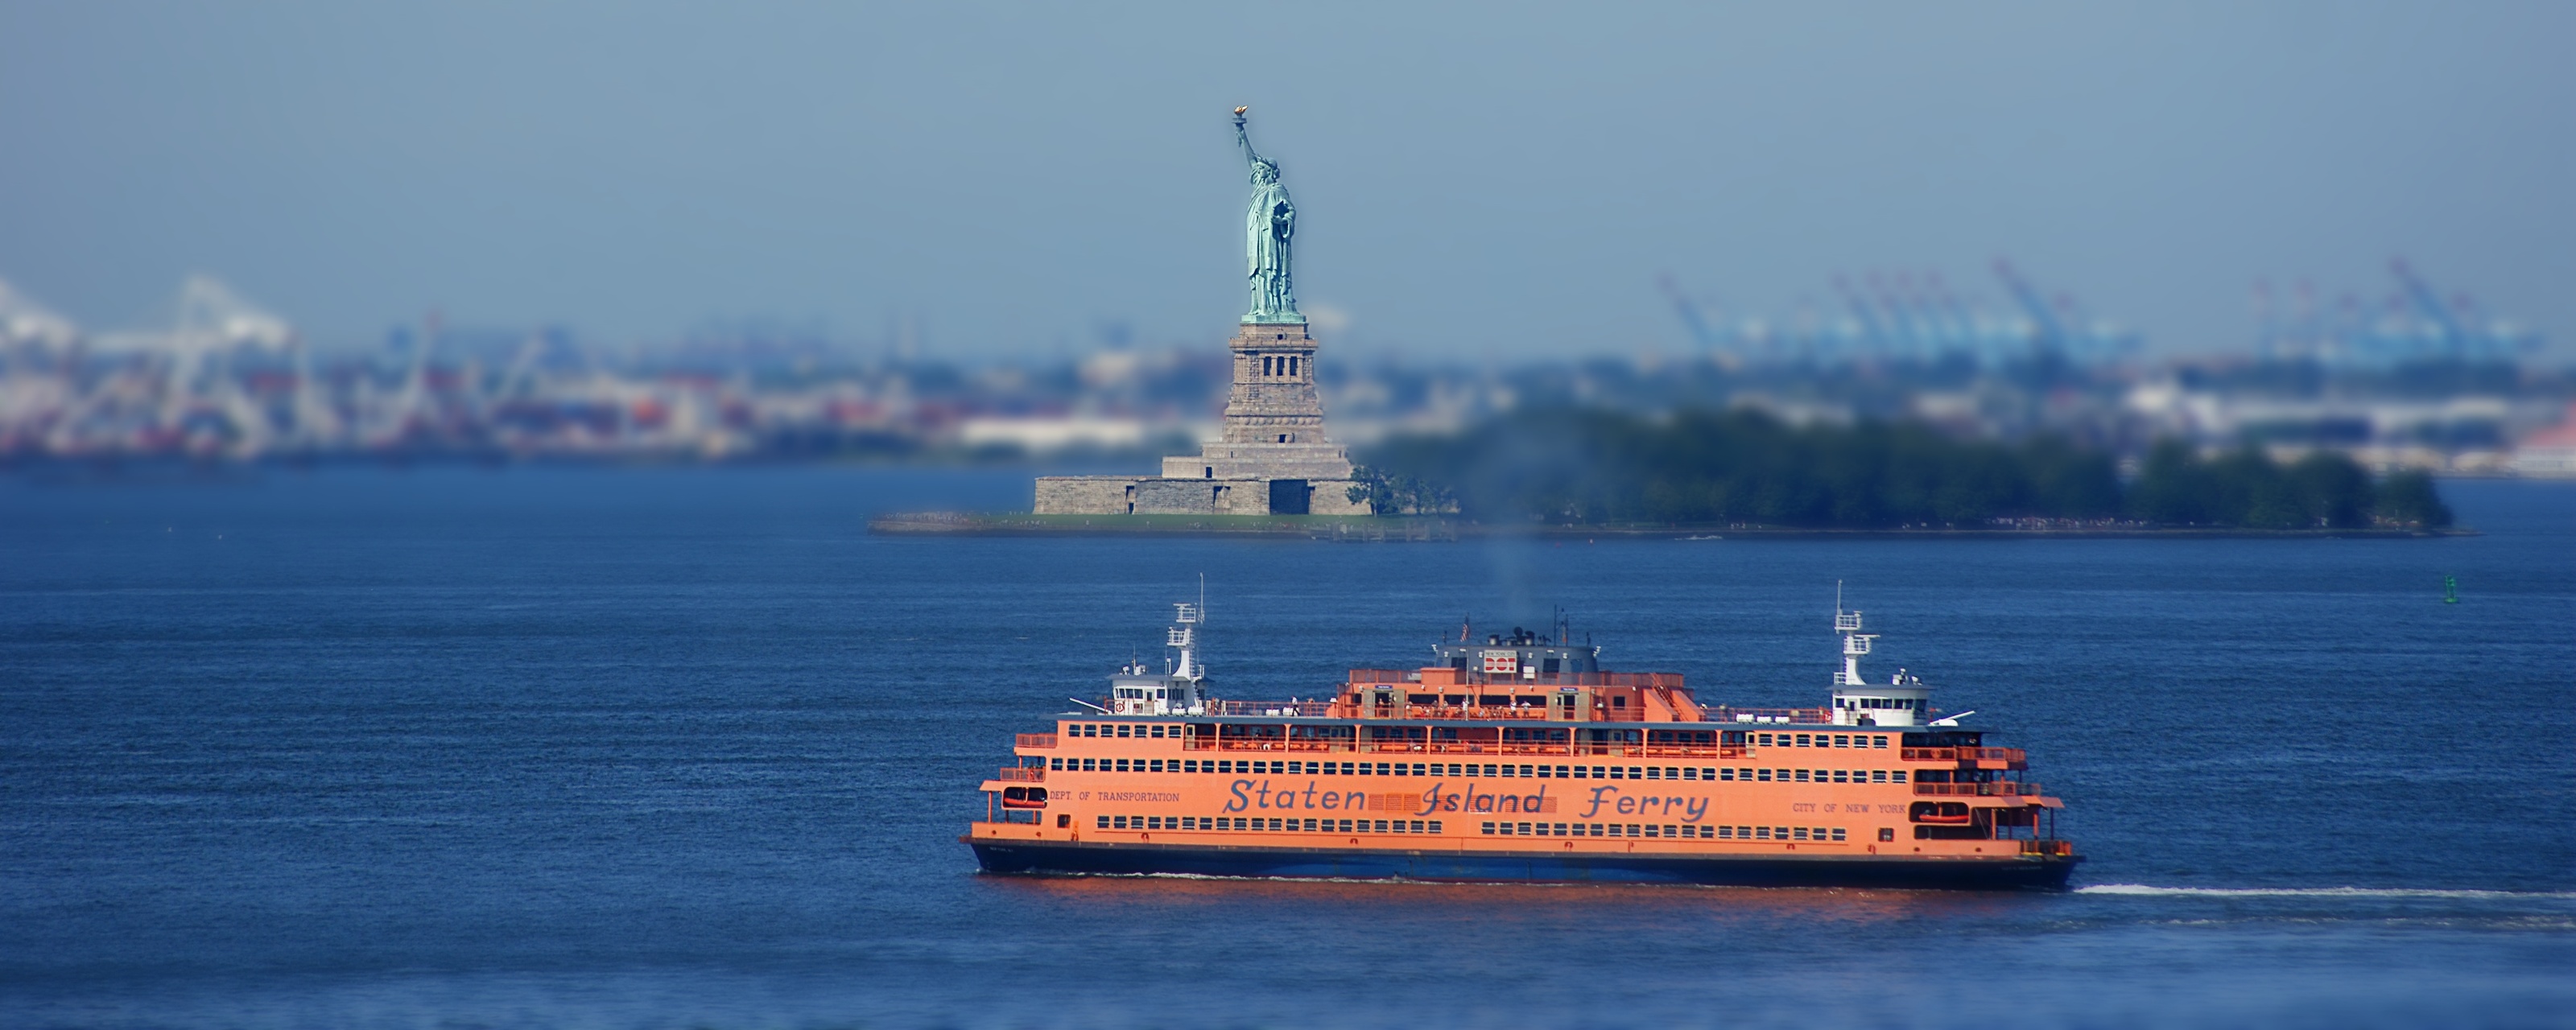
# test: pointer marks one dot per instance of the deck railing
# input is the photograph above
(1760, 716)
(1965, 754)
(2048, 847)
(1308, 708)
(1022, 774)
(2000, 789)
(1581, 749)
(1037, 740)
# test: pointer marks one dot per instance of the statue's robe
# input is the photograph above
(1268, 223)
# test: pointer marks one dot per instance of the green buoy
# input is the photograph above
(2450, 590)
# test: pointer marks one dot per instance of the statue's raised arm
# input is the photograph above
(1243, 138)
(1269, 223)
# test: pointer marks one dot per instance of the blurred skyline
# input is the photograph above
(1506, 181)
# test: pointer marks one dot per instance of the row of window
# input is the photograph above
(1280, 365)
(1286, 767)
(1789, 833)
(1210, 822)
(1154, 731)
(1876, 740)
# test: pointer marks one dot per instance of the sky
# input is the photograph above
(1474, 181)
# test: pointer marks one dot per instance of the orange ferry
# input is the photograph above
(1518, 759)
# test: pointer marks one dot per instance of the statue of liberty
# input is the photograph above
(1268, 224)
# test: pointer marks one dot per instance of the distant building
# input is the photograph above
(2549, 453)
(1273, 457)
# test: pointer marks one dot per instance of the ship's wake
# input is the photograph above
(2321, 892)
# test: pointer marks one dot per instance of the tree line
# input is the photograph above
(1700, 467)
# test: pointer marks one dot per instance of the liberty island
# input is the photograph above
(1273, 456)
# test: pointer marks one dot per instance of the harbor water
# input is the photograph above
(448, 747)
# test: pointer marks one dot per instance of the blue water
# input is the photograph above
(682, 748)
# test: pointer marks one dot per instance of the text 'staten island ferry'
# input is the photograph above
(1519, 759)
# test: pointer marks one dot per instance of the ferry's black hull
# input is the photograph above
(1999, 873)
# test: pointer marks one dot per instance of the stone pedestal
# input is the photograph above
(1272, 457)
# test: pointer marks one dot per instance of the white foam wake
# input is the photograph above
(2315, 892)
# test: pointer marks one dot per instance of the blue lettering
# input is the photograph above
(1596, 800)
(1310, 794)
(1264, 791)
(1670, 804)
(1331, 801)
(1535, 802)
(1698, 808)
(1430, 800)
(1355, 800)
(1240, 802)
(1627, 806)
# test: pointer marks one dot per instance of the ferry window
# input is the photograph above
(1766, 775)
(1690, 773)
(1842, 740)
(1417, 770)
(1841, 777)
(1435, 826)
(1838, 833)
(1761, 833)
(1063, 822)
(1764, 739)
(1897, 776)
(1802, 776)
(1104, 822)
(1726, 774)
(1636, 773)
(1878, 741)
(1123, 728)
(1878, 776)
(1491, 770)
(1485, 828)
(1802, 740)
(1055, 765)
(1654, 773)
(1887, 833)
